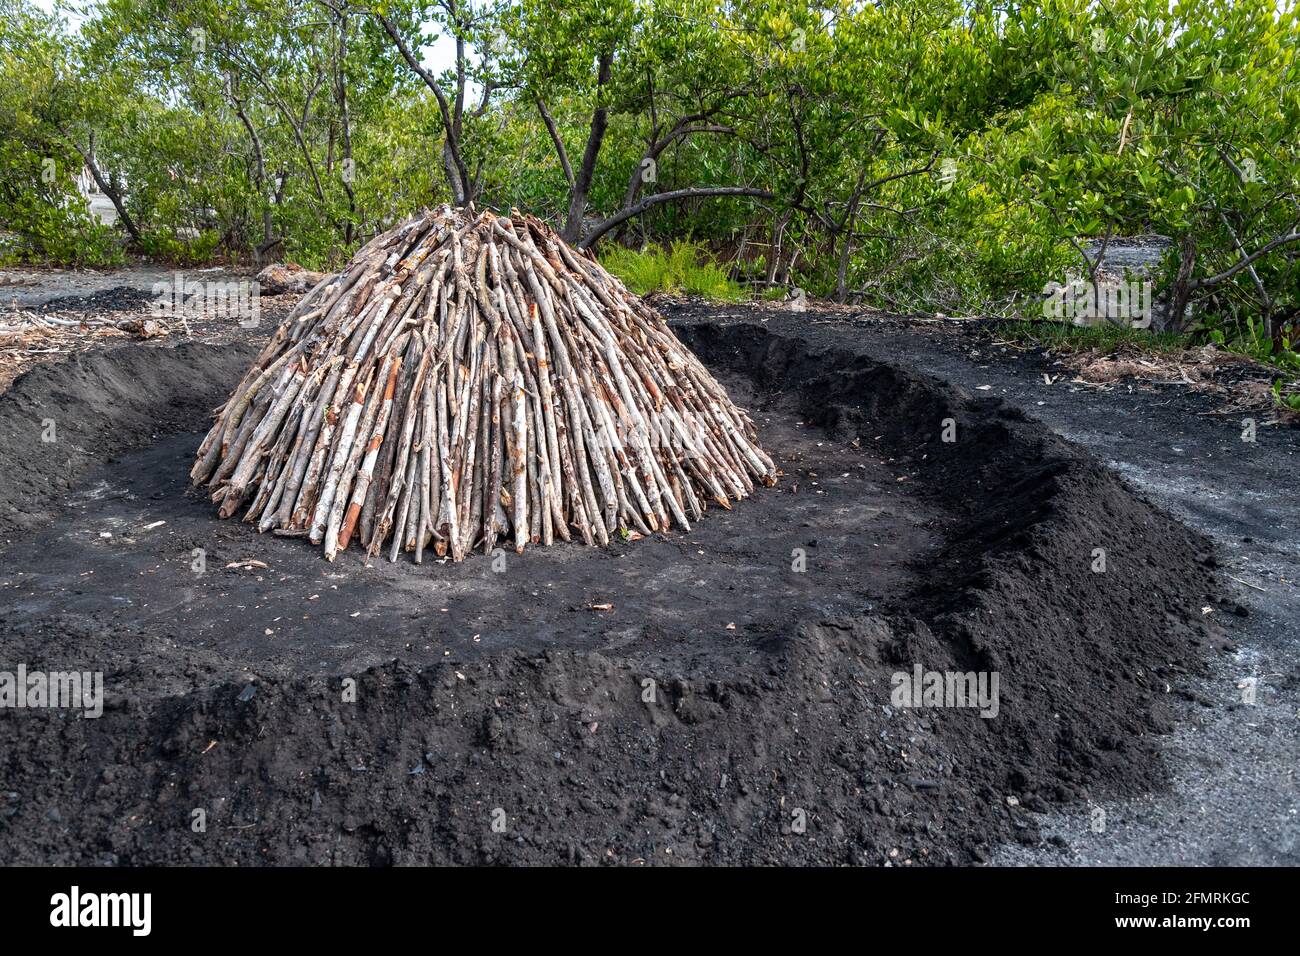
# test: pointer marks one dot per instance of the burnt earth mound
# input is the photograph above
(720, 696)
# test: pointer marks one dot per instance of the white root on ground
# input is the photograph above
(469, 378)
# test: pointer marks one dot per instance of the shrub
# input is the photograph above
(684, 267)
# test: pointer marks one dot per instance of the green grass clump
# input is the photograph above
(683, 267)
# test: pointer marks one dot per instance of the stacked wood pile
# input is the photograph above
(470, 379)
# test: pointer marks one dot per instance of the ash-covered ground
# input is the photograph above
(686, 698)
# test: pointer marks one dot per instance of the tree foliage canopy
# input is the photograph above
(945, 155)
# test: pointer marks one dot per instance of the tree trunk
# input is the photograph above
(459, 192)
(586, 171)
(105, 186)
(259, 176)
(842, 270)
(345, 122)
(452, 160)
(1180, 293)
(774, 247)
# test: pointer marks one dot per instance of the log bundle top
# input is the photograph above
(469, 379)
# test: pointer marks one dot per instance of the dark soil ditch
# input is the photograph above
(689, 698)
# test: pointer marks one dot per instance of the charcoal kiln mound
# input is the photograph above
(468, 378)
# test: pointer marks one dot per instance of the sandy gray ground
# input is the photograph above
(1235, 798)
(24, 288)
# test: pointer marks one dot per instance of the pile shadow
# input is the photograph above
(792, 752)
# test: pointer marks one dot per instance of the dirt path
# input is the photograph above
(1234, 797)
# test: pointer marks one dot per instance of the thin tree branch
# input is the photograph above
(693, 193)
(1210, 281)
(560, 151)
(455, 162)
